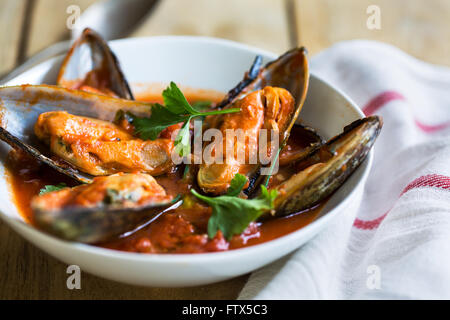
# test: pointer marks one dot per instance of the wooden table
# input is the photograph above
(419, 27)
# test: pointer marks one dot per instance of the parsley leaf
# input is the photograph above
(175, 100)
(161, 118)
(176, 109)
(176, 103)
(236, 185)
(183, 140)
(231, 214)
(201, 106)
(51, 188)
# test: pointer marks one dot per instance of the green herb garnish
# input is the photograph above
(231, 214)
(51, 188)
(183, 140)
(274, 161)
(176, 109)
(202, 105)
(161, 118)
(236, 185)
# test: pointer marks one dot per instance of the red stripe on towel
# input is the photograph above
(430, 129)
(369, 224)
(380, 100)
(385, 97)
(431, 180)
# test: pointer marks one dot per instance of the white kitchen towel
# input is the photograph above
(395, 244)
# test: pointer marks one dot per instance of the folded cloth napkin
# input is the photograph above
(395, 243)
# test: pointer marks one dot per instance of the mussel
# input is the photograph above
(327, 167)
(290, 71)
(103, 209)
(35, 115)
(101, 147)
(293, 152)
(22, 105)
(271, 101)
(249, 77)
(71, 128)
(90, 65)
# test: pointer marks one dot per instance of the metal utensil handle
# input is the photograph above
(41, 56)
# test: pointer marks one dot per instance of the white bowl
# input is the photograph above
(204, 63)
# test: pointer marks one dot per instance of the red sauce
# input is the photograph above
(182, 230)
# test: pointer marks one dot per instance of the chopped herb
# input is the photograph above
(161, 118)
(202, 105)
(186, 172)
(236, 185)
(183, 140)
(274, 162)
(114, 196)
(231, 214)
(51, 188)
(176, 109)
(175, 100)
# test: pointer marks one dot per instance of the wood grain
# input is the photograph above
(11, 20)
(48, 23)
(32, 274)
(421, 28)
(28, 273)
(261, 23)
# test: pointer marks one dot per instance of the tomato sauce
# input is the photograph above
(182, 230)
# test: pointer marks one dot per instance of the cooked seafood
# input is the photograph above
(279, 93)
(100, 147)
(290, 71)
(269, 108)
(326, 168)
(90, 65)
(22, 105)
(97, 211)
(293, 152)
(89, 125)
(249, 77)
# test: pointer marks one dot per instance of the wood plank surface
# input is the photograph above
(11, 20)
(28, 273)
(261, 23)
(48, 22)
(421, 28)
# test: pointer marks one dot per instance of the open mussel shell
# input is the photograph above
(249, 77)
(58, 165)
(326, 168)
(312, 140)
(97, 225)
(20, 107)
(291, 72)
(90, 62)
(309, 136)
(119, 209)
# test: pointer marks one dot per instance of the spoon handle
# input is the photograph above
(41, 56)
